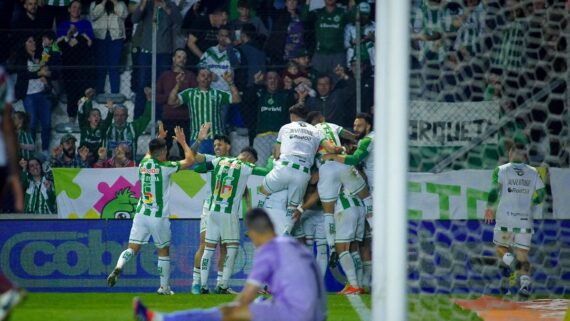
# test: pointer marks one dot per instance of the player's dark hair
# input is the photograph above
(367, 118)
(314, 115)
(223, 138)
(298, 110)
(156, 145)
(257, 219)
(219, 10)
(251, 150)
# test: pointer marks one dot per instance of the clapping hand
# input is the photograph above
(83, 153)
(228, 77)
(258, 77)
(102, 152)
(204, 129)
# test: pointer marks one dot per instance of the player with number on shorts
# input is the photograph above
(518, 189)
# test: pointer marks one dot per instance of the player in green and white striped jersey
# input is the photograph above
(152, 212)
(228, 184)
(518, 189)
(39, 190)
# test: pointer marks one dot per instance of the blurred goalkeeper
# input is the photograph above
(282, 263)
(517, 189)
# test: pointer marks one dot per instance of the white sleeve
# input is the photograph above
(280, 135)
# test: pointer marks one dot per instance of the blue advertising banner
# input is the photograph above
(445, 256)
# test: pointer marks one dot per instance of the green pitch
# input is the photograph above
(117, 306)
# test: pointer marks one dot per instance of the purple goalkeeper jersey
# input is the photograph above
(293, 277)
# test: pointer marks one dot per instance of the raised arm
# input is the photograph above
(173, 99)
(181, 139)
(202, 134)
(228, 77)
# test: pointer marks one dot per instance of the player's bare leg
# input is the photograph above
(131, 251)
(506, 264)
(523, 269)
(164, 270)
(196, 283)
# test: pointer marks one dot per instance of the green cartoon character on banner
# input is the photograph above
(121, 207)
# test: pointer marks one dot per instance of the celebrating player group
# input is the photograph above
(314, 189)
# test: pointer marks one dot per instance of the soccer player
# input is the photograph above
(333, 175)
(363, 128)
(276, 207)
(517, 188)
(280, 262)
(295, 149)
(222, 147)
(228, 184)
(152, 212)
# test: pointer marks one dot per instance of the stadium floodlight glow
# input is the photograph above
(390, 152)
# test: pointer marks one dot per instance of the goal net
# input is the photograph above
(484, 76)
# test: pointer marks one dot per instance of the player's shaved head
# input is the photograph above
(315, 117)
(258, 223)
(248, 154)
(156, 147)
(299, 111)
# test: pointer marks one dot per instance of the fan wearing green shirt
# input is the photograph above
(205, 105)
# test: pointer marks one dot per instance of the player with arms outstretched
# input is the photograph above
(152, 211)
(517, 188)
(280, 262)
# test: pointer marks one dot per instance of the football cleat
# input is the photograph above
(195, 288)
(141, 311)
(165, 291)
(204, 291)
(350, 290)
(220, 290)
(112, 278)
(333, 260)
(524, 292)
(9, 300)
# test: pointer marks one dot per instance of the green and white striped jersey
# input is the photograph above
(204, 107)
(346, 201)
(154, 178)
(330, 132)
(218, 62)
(517, 184)
(228, 183)
(39, 199)
(58, 3)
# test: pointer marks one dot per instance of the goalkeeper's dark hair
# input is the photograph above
(257, 219)
(298, 110)
(223, 138)
(250, 150)
(314, 115)
(367, 118)
(156, 145)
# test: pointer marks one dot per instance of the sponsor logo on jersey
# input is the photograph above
(276, 109)
(151, 171)
(519, 182)
(519, 171)
(330, 25)
(148, 198)
(518, 190)
(300, 137)
(230, 164)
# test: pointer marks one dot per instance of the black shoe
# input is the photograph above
(333, 260)
(204, 291)
(112, 278)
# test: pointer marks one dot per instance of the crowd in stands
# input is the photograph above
(241, 64)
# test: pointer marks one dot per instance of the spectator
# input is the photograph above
(245, 18)
(205, 105)
(220, 59)
(310, 75)
(123, 132)
(39, 190)
(31, 87)
(25, 139)
(469, 41)
(329, 23)
(29, 22)
(76, 59)
(172, 116)
(367, 85)
(252, 57)
(56, 10)
(83, 26)
(269, 106)
(287, 34)
(169, 21)
(51, 57)
(334, 104)
(122, 157)
(64, 155)
(203, 32)
(108, 18)
(367, 29)
(92, 128)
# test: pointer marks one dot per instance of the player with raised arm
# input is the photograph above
(334, 175)
(516, 189)
(295, 149)
(228, 184)
(152, 211)
(222, 147)
(280, 262)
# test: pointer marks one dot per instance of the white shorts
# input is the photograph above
(146, 226)
(314, 224)
(224, 226)
(347, 224)
(287, 178)
(512, 239)
(204, 219)
(333, 175)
